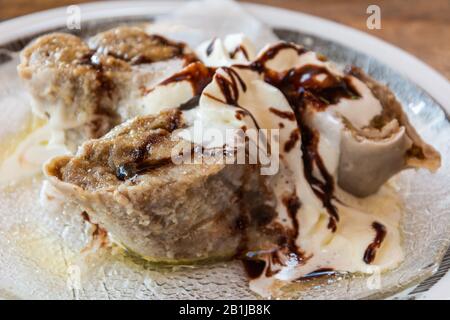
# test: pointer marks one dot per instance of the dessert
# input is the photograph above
(326, 141)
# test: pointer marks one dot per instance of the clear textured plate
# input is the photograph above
(42, 256)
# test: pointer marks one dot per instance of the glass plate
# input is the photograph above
(42, 254)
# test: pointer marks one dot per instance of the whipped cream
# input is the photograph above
(358, 223)
(31, 153)
(235, 48)
(146, 96)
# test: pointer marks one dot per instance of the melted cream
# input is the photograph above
(31, 153)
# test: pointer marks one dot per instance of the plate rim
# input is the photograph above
(430, 80)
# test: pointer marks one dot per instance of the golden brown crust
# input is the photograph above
(55, 49)
(80, 88)
(71, 86)
(134, 45)
(131, 148)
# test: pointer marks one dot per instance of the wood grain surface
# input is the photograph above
(421, 27)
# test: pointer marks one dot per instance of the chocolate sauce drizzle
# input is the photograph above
(302, 83)
(139, 164)
(92, 60)
(301, 87)
(293, 204)
(371, 251)
(322, 189)
(98, 233)
(293, 138)
(257, 267)
(190, 104)
(104, 118)
(129, 170)
(229, 87)
(179, 47)
(178, 51)
(210, 47)
(283, 114)
(319, 273)
(198, 75)
(238, 49)
(254, 267)
(259, 65)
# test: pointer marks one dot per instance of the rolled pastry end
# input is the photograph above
(369, 157)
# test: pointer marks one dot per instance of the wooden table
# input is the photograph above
(421, 27)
